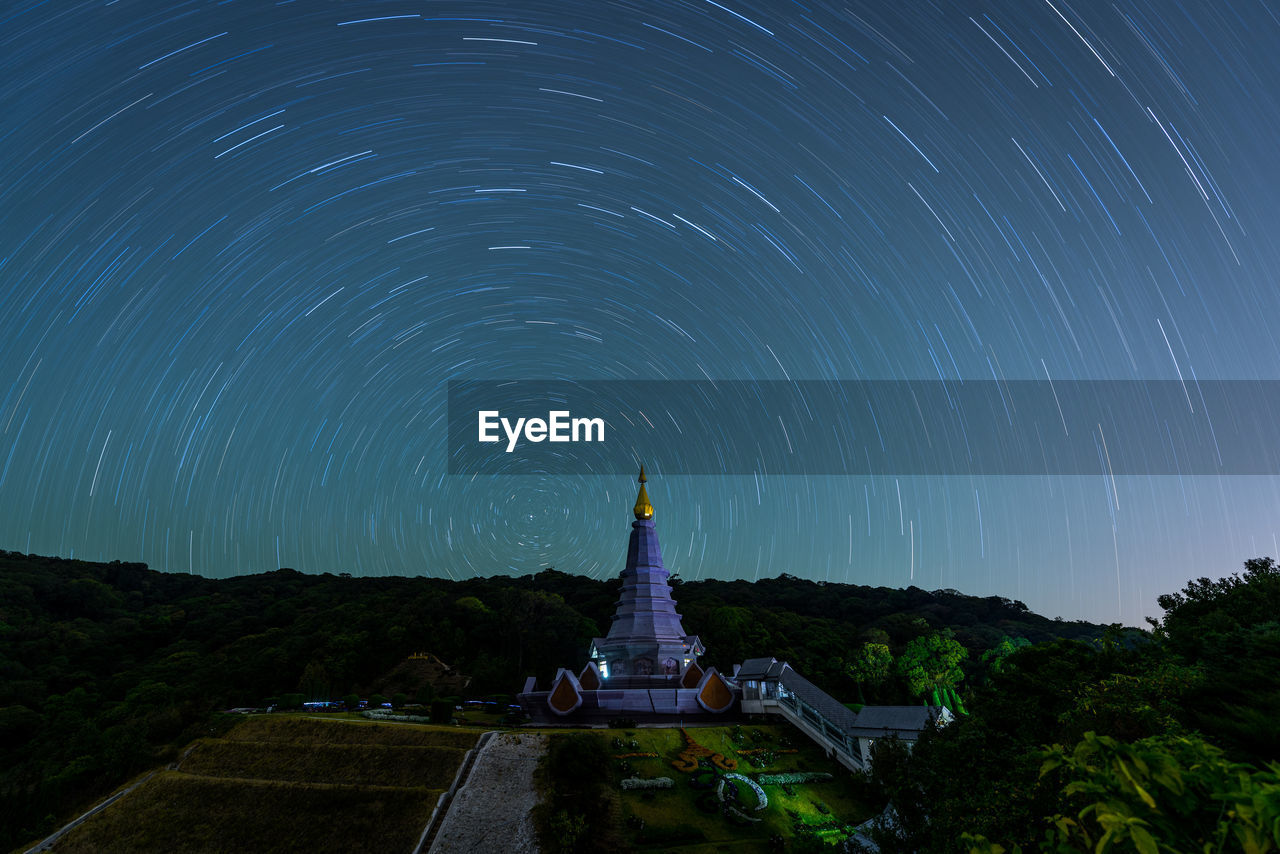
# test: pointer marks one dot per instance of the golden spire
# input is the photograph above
(643, 509)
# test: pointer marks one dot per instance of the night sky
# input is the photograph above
(244, 245)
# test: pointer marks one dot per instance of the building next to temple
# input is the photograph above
(646, 669)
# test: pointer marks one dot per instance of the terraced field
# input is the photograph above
(285, 784)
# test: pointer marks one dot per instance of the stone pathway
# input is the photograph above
(491, 812)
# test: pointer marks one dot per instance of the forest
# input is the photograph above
(1166, 742)
(107, 668)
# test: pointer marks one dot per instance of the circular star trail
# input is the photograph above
(244, 245)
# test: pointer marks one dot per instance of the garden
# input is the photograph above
(764, 788)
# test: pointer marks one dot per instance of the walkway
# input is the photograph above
(492, 811)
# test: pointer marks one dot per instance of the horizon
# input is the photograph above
(533, 574)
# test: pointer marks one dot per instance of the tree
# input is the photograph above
(904, 826)
(1231, 629)
(1204, 608)
(442, 710)
(582, 802)
(1132, 706)
(932, 663)
(996, 657)
(1158, 794)
(567, 828)
(291, 701)
(872, 665)
(315, 681)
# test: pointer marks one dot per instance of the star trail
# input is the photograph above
(245, 245)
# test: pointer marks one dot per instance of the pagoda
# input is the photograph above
(646, 638)
(645, 665)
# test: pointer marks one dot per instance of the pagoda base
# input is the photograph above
(572, 697)
(643, 705)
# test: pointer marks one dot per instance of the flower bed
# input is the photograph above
(762, 798)
(688, 759)
(648, 783)
(793, 777)
(391, 716)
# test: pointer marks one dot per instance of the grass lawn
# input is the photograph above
(672, 819)
(353, 764)
(482, 718)
(346, 729)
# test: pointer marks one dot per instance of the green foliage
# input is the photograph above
(1231, 629)
(582, 804)
(996, 657)
(1163, 793)
(1165, 737)
(17, 723)
(1133, 705)
(1205, 609)
(932, 662)
(567, 830)
(809, 844)
(315, 683)
(871, 665)
(895, 779)
(1160, 794)
(472, 604)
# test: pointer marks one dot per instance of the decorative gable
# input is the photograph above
(713, 694)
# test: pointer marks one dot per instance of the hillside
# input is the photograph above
(106, 667)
